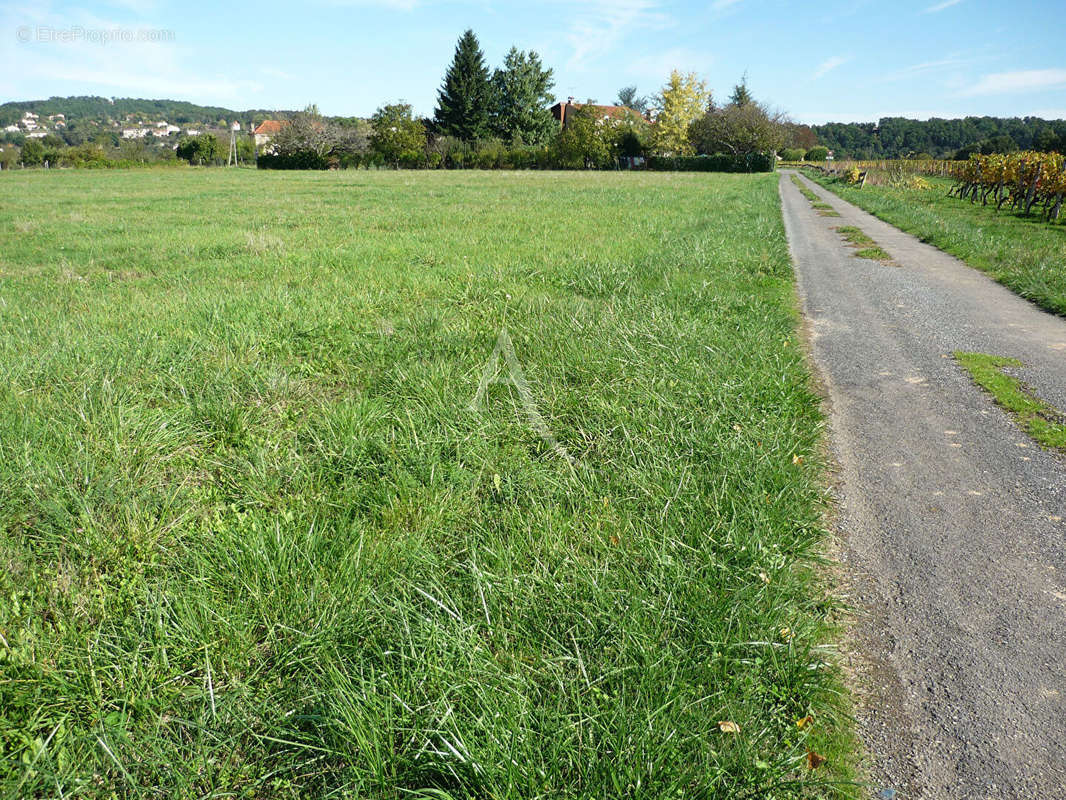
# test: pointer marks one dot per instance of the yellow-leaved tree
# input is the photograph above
(684, 100)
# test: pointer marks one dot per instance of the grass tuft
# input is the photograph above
(1040, 420)
(854, 235)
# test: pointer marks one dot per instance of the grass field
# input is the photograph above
(255, 541)
(1025, 254)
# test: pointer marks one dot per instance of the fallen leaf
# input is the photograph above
(803, 722)
(786, 634)
(797, 459)
(614, 541)
(814, 760)
(727, 726)
(763, 577)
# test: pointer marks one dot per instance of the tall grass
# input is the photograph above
(254, 541)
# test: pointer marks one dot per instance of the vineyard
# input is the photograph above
(1019, 180)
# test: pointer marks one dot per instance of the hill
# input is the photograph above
(898, 137)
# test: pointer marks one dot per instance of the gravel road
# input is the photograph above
(951, 519)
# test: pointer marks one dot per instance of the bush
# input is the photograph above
(720, 162)
(304, 159)
(202, 149)
(792, 154)
(817, 154)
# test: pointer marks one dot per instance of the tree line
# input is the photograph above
(897, 137)
(501, 118)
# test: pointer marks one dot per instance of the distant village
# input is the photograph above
(32, 126)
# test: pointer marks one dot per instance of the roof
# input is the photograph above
(563, 110)
(269, 126)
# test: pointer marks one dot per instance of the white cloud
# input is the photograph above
(657, 66)
(602, 24)
(941, 6)
(1030, 80)
(928, 66)
(829, 65)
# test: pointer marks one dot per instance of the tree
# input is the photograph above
(202, 149)
(800, 136)
(627, 96)
(522, 94)
(582, 143)
(684, 99)
(304, 132)
(592, 141)
(739, 129)
(396, 135)
(464, 98)
(741, 96)
(32, 153)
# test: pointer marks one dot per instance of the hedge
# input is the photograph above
(301, 160)
(720, 162)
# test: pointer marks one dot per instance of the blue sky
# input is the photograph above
(841, 61)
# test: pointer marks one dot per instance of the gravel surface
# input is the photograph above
(951, 518)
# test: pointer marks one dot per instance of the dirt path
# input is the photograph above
(952, 518)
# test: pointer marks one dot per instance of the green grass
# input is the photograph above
(254, 542)
(854, 235)
(804, 190)
(873, 253)
(823, 209)
(1041, 421)
(1025, 254)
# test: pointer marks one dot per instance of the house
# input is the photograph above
(265, 131)
(11, 129)
(565, 111)
(134, 133)
(37, 135)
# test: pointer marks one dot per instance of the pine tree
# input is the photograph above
(522, 93)
(463, 102)
(741, 96)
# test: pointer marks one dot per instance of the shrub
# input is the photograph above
(792, 154)
(301, 160)
(202, 149)
(817, 154)
(720, 162)
(853, 175)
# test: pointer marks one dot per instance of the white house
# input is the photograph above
(11, 128)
